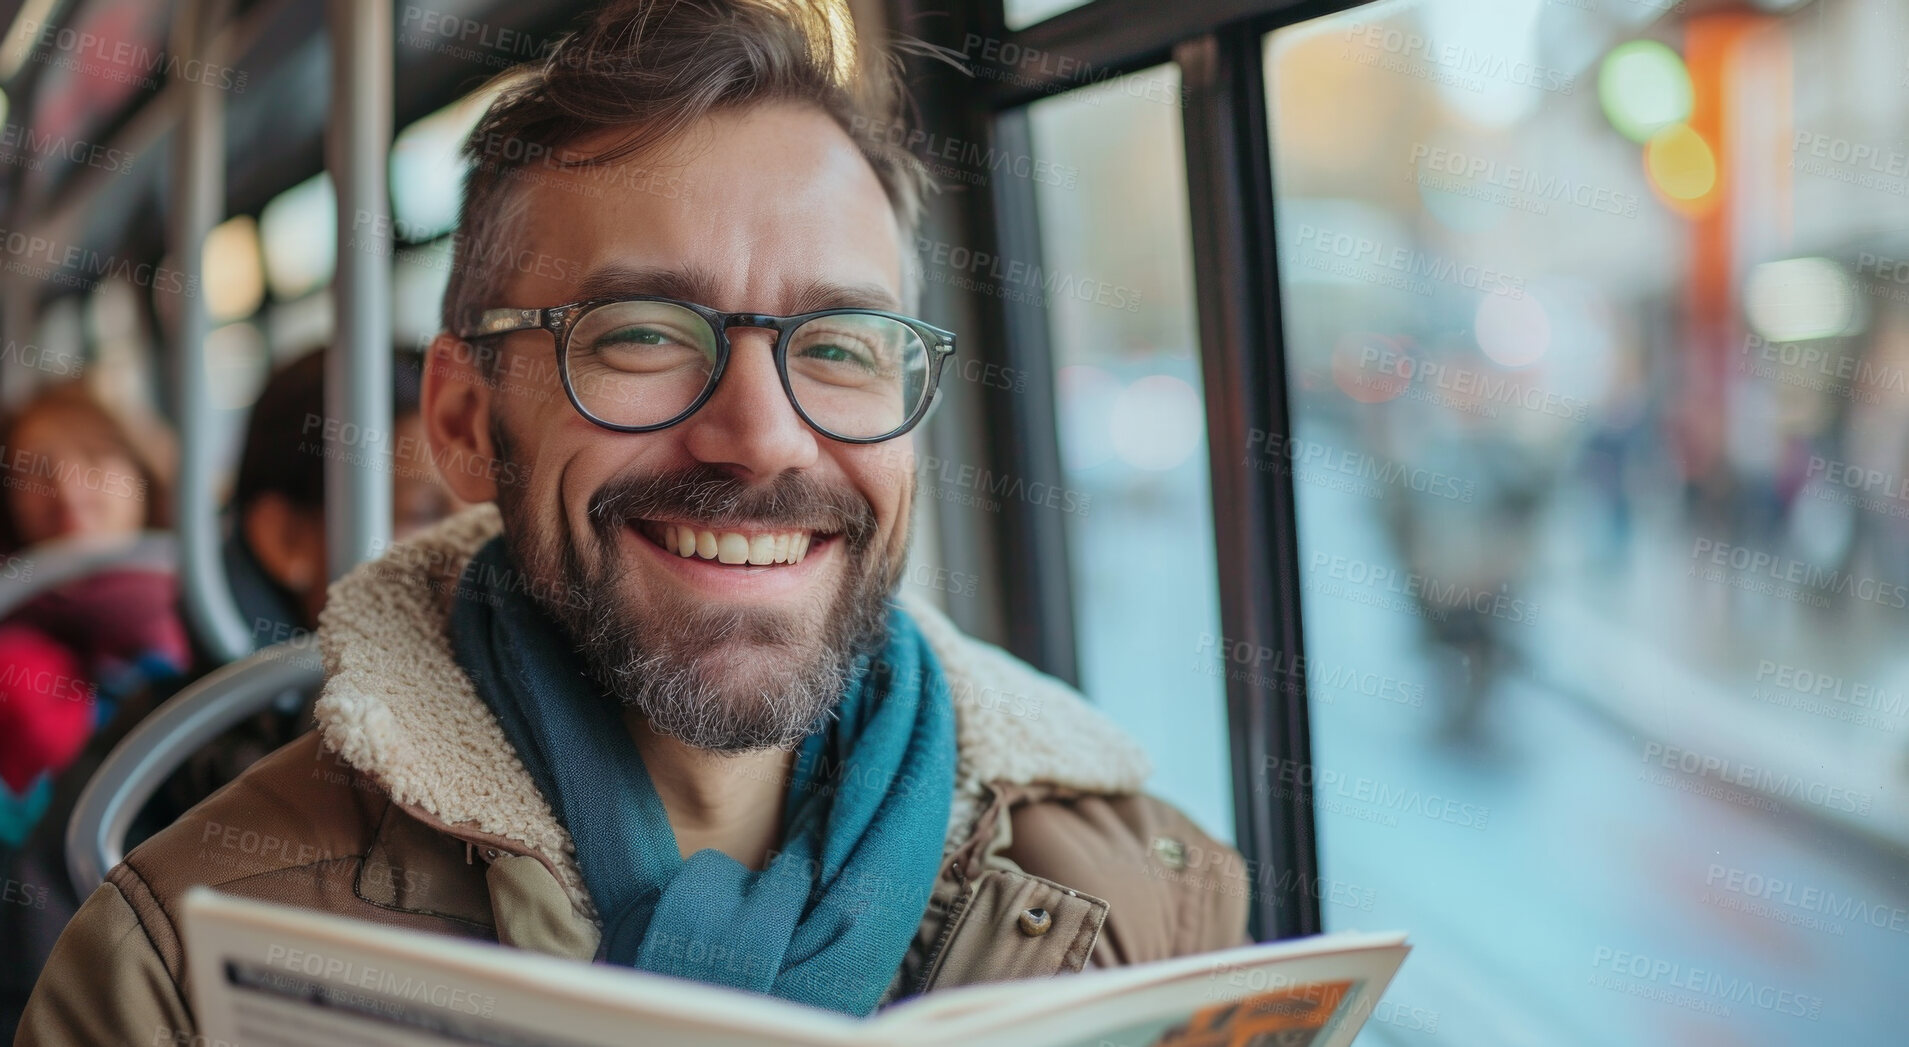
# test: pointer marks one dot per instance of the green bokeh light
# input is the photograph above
(1643, 88)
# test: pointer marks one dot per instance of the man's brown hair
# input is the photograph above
(653, 68)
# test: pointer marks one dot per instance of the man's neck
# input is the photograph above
(730, 803)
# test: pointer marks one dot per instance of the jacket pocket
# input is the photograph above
(1013, 925)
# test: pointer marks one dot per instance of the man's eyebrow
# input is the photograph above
(700, 287)
(820, 294)
(615, 281)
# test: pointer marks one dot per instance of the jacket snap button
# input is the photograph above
(1035, 922)
(1171, 852)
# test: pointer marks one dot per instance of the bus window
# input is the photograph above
(1110, 182)
(1596, 350)
(1027, 12)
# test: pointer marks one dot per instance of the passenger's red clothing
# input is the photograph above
(103, 632)
(46, 705)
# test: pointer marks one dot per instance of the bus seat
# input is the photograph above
(141, 763)
(53, 564)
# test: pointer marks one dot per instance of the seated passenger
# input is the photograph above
(661, 706)
(275, 554)
(86, 590)
(275, 561)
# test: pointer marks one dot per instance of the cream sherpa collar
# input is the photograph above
(396, 706)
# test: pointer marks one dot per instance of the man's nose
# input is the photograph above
(748, 422)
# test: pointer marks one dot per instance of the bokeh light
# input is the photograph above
(1798, 299)
(234, 273)
(1512, 332)
(298, 230)
(427, 170)
(1644, 88)
(1681, 165)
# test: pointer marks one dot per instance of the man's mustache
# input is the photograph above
(718, 499)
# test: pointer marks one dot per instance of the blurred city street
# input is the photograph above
(1593, 853)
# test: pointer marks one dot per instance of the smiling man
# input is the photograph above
(661, 705)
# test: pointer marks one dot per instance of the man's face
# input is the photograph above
(770, 209)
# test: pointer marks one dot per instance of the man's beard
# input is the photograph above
(666, 660)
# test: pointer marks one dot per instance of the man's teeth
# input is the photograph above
(732, 548)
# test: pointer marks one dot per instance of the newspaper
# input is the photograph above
(265, 975)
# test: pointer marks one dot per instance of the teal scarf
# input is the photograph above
(827, 923)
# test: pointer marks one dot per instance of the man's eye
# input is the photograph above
(637, 336)
(834, 353)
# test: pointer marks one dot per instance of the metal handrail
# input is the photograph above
(146, 757)
(358, 373)
(198, 198)
(58, 562)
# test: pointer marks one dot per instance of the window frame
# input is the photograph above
(1218, 46)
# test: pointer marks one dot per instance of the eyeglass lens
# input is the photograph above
(856, 375)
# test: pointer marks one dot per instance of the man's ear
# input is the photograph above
(456, 406)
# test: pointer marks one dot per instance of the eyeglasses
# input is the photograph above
(643, 363)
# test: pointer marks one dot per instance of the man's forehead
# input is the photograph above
(695, 283)
(767, 209)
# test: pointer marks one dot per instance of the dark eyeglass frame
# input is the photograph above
(561, 320)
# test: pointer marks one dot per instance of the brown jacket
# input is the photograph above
(408, 807)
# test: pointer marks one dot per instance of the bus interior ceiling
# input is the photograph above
(277, 80)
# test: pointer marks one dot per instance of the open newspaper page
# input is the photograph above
(265, 975)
